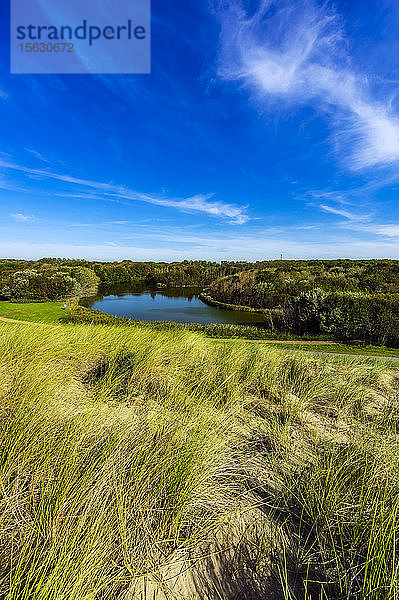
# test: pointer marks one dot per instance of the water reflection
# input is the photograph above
(181, 305)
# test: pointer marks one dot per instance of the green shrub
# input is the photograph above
(52, 283)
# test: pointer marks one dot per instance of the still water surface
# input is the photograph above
(181, 305)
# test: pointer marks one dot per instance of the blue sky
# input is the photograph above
(264, 128)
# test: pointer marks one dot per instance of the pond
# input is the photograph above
(180, 305)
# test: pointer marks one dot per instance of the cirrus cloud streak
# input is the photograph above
(296, 52)
(199, 203)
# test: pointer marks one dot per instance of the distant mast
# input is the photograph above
(281, 257)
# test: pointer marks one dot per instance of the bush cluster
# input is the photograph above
(51, 283)
(357, 301)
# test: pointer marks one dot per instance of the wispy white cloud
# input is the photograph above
(37, 154)
(22, 218)
(388, 230)
(11, 187)
(294, 51)
(344, 213)
(362, 222)
(200, 203)
(43, 174)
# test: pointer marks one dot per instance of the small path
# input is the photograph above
(339, 354)
(305, 342)
(7, 320)
(373, 356)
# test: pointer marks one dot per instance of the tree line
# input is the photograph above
(54, 278)
(351, 300)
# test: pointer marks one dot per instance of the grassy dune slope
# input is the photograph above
(142, 464)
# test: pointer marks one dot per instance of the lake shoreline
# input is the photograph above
(141, 302)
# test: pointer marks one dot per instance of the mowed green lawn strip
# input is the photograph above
(343, 349)
(38, 312)
(324, 348)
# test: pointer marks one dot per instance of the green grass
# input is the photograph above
(38, 312)
(343, 349)
(159, 464)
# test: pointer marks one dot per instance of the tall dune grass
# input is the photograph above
(127, 453)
